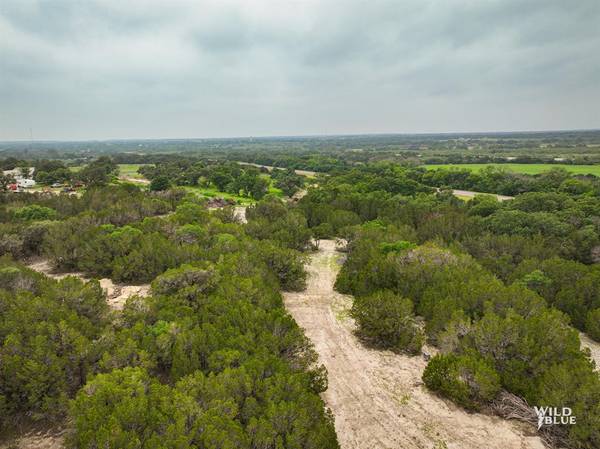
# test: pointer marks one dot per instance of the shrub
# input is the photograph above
(160, 183)
(35, 212)
(186, 275)
(129, 409)
(468, 380)
(592, 324)
(48, 331)
(286, 264)
(398, 246)
(387, 320)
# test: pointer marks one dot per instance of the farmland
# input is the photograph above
(130, 171)
(529, 169)
(125, 170)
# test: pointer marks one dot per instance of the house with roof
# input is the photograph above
(22, 181)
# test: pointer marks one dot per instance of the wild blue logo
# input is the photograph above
(549, 416)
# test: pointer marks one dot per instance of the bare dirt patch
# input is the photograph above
(240, 213)
(116, 294)
(593, 346)
(470, 194)
(36, 437)
(377, 397)
(136, 180)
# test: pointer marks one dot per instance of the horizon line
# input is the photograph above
(307, 136)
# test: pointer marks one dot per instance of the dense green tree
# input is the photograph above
(468, 380)
(160, 183)
(270, 219)
(5, 181)
(48, 333)
(98, 172)
(592, 324)
(35, 212)
(288, 181)
(387, 320)
(129, 409)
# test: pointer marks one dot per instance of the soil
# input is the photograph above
(132, 179)
(116, 294)
(240, 212)
(593, 346)
(308, 173)
(471, 194)
(34, 436)
(377, 397)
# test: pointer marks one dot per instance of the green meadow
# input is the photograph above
(530, 169)
(130, 170)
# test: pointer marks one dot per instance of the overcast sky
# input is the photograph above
(149, 69)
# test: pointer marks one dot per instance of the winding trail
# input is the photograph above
(377, 397)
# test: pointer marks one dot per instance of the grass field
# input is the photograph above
(210, 192)
(530, 169)
(463, 197)
(125, 170)
(130, 171)
(272, 189)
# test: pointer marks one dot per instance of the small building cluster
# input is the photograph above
(22, 180)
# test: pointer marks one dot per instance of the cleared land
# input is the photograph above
(116, 294)
(468, 195)
(127, 172)
(35, 437)
(130, 170)
(307, 173)
(377, 397)
(593, 346)
(530, 169)
(211, 192)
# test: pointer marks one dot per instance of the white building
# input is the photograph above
(17, 173)
(25, 183)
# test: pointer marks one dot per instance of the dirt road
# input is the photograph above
(376, 396)
(307, 173)
(132, 179)
(469, 194)
(593, 346)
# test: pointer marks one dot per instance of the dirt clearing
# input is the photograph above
(377, 397)
(34, 436)
(593, 346)
(240, 213)
(116, 294)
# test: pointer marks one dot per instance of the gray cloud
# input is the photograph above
(118, 69)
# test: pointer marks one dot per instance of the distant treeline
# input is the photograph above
(544, 144)
(497, 180)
